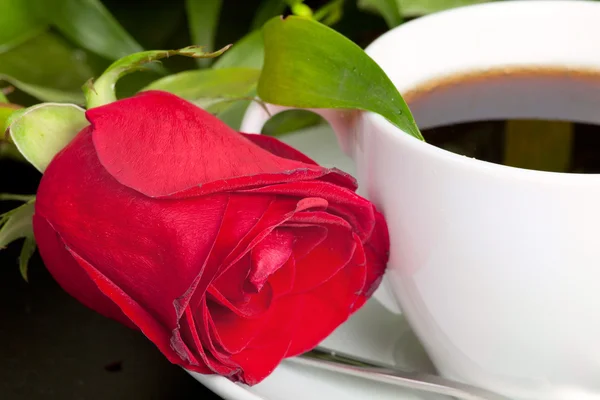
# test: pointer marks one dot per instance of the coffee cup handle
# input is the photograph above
(343, 123)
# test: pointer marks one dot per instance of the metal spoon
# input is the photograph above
(350, 365)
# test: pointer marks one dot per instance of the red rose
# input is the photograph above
(228, 251)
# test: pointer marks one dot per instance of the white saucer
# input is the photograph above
(372, 333)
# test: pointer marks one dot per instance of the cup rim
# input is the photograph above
(476, 165)
(498, 170)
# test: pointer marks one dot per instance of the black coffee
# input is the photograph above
(491, 141)
(542, 145)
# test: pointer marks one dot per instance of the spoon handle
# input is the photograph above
(353, 366)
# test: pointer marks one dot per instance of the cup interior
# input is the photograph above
(506, 60)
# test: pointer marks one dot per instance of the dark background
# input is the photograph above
(52, 347)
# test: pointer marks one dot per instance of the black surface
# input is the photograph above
(52, 347)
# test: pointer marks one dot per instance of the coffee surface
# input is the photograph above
(542, 144)
(491, 141)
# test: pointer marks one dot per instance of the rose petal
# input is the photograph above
(150, 327)
(234, 329)
(187, 355)
(377, 254)
(272, 344)
(145, 246)
(282, 281)
(243, 213)
(205, 324)
(234, 242)
(190, 335)
(230, 283)
(160, 144)
(71, 277)
(277, 147)
(257, 364)
(268, 256)
(307, 237)
(281, 149)
(317, 218)
(350, 206)
(234, 332)
(278, 212)
(255, 306)
(325, 260)
(238, 220)
(228, 290)
(360, 260)
(313, 204)
(326, 307)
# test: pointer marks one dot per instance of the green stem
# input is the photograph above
(102, 91)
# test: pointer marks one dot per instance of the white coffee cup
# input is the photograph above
(496, 268)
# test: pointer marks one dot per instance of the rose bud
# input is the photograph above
(228, 251)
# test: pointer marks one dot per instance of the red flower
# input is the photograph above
(228, 251)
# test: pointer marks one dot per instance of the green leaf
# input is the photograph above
(209, 84)
(16, 224)
(17, 24)
(300, 9)
(45, 93)
(6, 110)
(16, 197)
(26, 252)
(248, 52)
(203, 17)
(41, 131)
(290, 121)
(330, 13)
(89, 24)
(103, 90)
(46, 67)
(309, 65)
(388, 9)
(234, 114)
(414, 8)
(267, 10)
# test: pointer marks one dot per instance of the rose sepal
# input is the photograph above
(41, 131)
